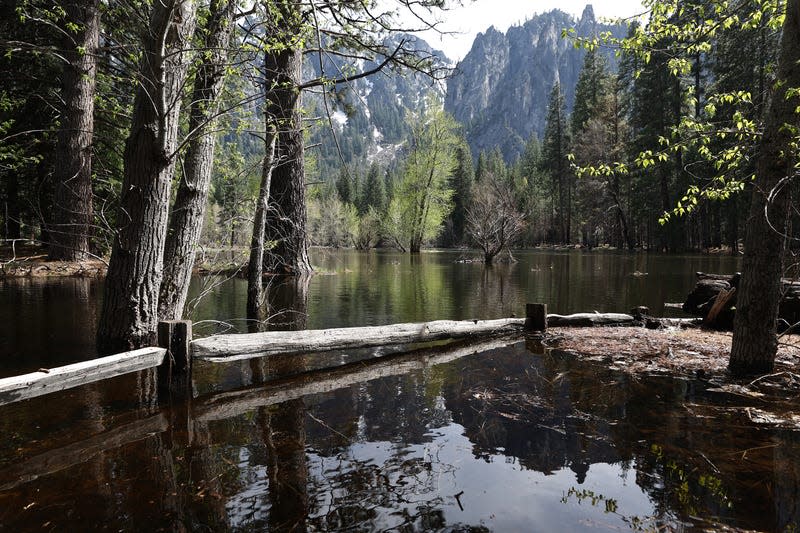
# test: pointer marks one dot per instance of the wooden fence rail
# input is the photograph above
(26, 386)
(223, 405)
(250, 345)
(177, 349)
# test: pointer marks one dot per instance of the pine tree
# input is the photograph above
(344, 187)
(481, 168)
(555, 148)
(374, 193)
(461, 182)
(590, 91)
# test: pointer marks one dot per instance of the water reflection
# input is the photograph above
(441, 439)
(498, 436)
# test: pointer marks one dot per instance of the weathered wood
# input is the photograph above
(536, 317)
(247, 346)
(175, 373)
(723, 302)
(225, 405)
(701, 300)
(702, 297)
(720, 277)
(591, 319)
(27, 386)
(176, 337)
(79, 452)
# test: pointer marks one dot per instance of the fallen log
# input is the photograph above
(720, 308)
(591, 320)
(237, 347)
(702, 300)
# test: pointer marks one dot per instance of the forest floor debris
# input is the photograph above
(24, 259)
(671, 350)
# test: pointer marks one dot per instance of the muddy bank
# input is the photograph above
(39, 267)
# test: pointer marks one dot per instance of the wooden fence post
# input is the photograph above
(175, 373)
(536, 317)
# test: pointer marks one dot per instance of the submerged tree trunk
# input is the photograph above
(72, 215)
(754, 331)
(130, 305)
(188, 212)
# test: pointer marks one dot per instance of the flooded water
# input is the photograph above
(492, 436)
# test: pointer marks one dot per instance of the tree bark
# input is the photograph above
(72, 215)
(129, 316)
(286, 217)
(754, 331)
(188, 212)
(255, 266)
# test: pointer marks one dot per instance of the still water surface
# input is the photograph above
(499, 436)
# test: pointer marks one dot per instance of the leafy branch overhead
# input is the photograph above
(719, 124)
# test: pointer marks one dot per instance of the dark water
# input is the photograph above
(46, 322)
(499, 436)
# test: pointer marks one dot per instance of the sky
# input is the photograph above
(476, 16)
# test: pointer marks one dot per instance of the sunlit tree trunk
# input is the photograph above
(286, 217)
(186, 220)
(72, 214)
(130, 305)
(754, 330)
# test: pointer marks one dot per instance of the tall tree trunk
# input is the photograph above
(72, 214)
(286, 217)
(255, 266)
(130, 305)
(754, 334)
(188, 212)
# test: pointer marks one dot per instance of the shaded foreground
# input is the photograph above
(516, 437)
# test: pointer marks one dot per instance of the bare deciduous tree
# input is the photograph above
(493, 219)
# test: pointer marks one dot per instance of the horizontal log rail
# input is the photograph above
(177, 349)
(27, 386)
(236, 347)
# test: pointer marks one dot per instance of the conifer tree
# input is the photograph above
(555, 148)
(374, 193)
(461, 182)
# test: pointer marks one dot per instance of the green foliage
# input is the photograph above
(461, 183)
(374, 194)
(332, 222)
(590, 91)
(554, 160)
(423, 197)
(344, 187)
(739, 40)
(233, 189)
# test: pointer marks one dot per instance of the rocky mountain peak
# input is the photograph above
(501, 87)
